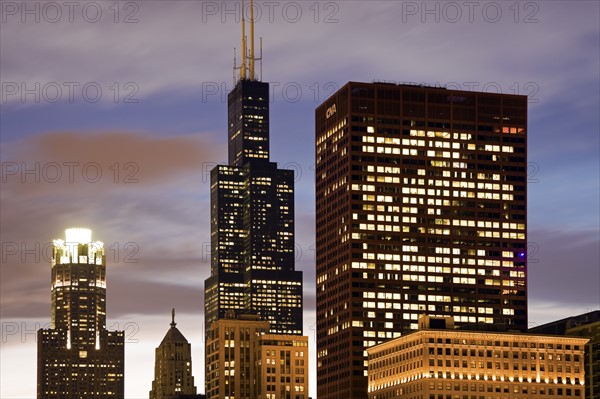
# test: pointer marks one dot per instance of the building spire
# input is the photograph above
(252, 75)
(173, 324)
(244, 61)
(247, 66)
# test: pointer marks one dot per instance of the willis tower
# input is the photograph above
(252, 215)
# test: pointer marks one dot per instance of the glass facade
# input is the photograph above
(421, 207)
(252, 223)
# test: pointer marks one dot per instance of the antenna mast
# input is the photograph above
(234, 66)
(244, 61)
(252, 76)
(173, 324)
(260, 59)
(247, 66)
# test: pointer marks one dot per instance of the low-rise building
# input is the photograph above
(449, 363)
(584, 325)
(244, 361)
(282, 366)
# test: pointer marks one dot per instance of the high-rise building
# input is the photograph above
(78, 357)
(584, 325)
(173, 366)
(252, 217)
(445, 363)
(244, 361)
(253, 288)
(420, 207)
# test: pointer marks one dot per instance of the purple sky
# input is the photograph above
(159, 126)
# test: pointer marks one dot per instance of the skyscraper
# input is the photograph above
(173, 366)
(421, 208)
(77, 356)
(252, 216)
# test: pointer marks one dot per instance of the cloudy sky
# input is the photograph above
(118, 110)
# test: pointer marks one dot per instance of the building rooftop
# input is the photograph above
(173, 335)
(560, 326)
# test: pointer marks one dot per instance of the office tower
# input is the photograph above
(421, 207)
(585, 325)
(252, 216)
(244, 361)
(444, 363)
(173, 366)
(77, 356)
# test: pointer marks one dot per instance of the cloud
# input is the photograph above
(150, 228)
(198, 45)
(79, 162)
(174, 47)
(156, 232)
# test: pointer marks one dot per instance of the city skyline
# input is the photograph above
(175, 134)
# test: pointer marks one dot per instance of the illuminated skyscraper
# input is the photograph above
(173, 366)
(78, 357)
(252, 217)
(421, 207)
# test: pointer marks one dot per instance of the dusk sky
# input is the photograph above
(130, 97)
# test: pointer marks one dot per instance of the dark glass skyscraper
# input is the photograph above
(78, 358)
(252, 220)
(421, 208)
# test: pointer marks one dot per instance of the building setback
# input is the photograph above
(244, 361)
(78, 357)
(173, 366)
(420, 207)
(442, 364)
(253, 276)
(252, 222)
